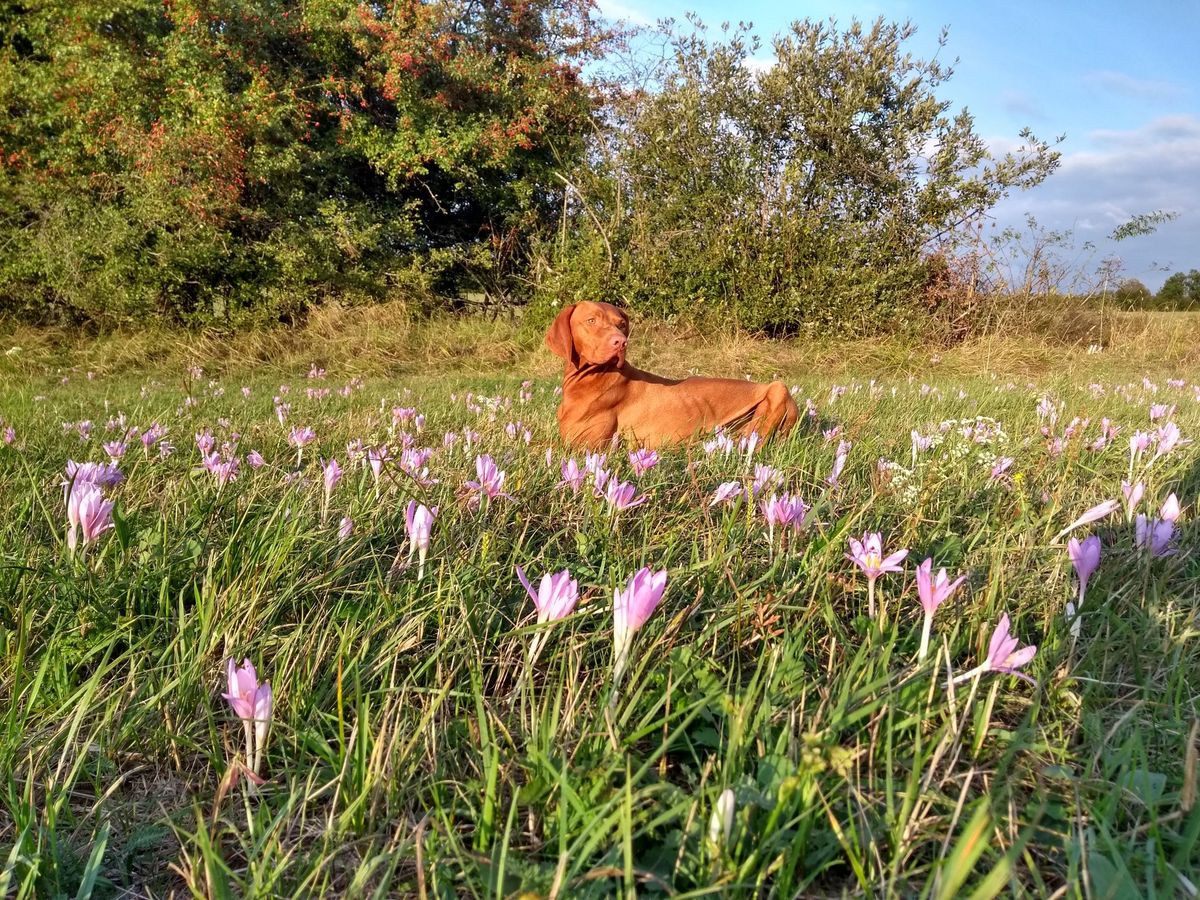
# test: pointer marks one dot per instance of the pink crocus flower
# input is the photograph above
(418, 521)
(932, 592)
(99, 474)
(10, 435)
(1133, 496)
(255, 460)
(345, 528)
(223, 470)
(643, 460)
(1095, 514)
(620, 495)
(839, 462)
(1005, 654)
(88, 513)
(727, 494)
(1085, 556)
(867, 554)
(785, 511)
(572, 476)
(631, 608)
(721, 442)
(376, 457)
(490, 481)
(301, 438)
(331, 473)
(764, 477)
(594, 462)
(554, 599)
(1169, 439)
(1170, 509)
(205, 442)
(1156, 534)
(253, 704)
(1000, 468)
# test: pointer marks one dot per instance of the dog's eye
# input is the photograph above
(592, 320)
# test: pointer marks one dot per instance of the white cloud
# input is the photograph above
(617, 11)
(1120, 175)
(759, 66)
(1112, 82)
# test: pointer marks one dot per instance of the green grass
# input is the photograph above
(413, 754)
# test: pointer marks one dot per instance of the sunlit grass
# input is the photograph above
(413, 753)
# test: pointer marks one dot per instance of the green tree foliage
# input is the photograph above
(185, 158)
(240, 159)
(1132, 294)
(805, 192)
(1180, 291)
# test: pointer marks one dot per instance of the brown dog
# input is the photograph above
(604, 396)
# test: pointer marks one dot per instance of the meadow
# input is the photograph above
(426, 735)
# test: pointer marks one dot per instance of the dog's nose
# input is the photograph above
(617, 341)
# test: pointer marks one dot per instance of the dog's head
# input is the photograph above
(590, 333)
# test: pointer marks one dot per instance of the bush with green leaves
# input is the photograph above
(233, 159)
(803, 193)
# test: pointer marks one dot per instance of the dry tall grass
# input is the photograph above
(386, 340)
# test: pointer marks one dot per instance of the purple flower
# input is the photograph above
(932, 592)
(253, 704)
(301, 437)
(764, 477)
(1168, 439)
(631, 608)
(594, 462)
(332, 474)
(1005, 654)
(720, 443)
(1000, 467)
(376, 457)
(1085, 556)
(345, 528)
(98, 474)
(205, 442)
(1156, 534)
(418, 521)
(87, 512)
(784, 511)
(1095, 514)
(255, 460)
(728, 493)
(490, 481)
(222, 469)
(839, 462)
(1133, 496)
(572, 475)
(643, 460)
(620, 495)
(555, 597)
(867, 554)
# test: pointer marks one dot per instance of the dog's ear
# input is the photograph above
(559, 338)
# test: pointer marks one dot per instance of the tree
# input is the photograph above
(1132, 294)
(803, 194)
(189, 157)
(1180, 291)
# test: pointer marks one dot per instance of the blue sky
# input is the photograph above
(1120, 80)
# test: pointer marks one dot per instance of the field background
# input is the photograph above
(412, 754)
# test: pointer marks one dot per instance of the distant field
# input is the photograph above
(416, 749)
